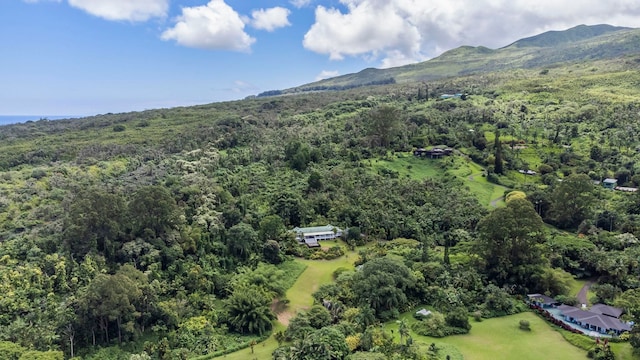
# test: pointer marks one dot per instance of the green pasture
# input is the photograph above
(501, 338)
(419, 168)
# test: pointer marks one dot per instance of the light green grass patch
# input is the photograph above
(420, 168)
(318, 272)
(501, 338)
(414, 167)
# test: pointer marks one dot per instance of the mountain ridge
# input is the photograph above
(582, 42)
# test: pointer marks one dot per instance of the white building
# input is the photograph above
(311, 235)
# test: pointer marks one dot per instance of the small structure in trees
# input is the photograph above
(609, 183)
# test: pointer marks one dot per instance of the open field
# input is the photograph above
(501, 338)
(470, 173)
(318, 272)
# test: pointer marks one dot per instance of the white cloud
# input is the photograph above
(300, 3)
(325, 74)
(402, 31)
(212, 26)
(129, 10)
(270, 19)
(37, 1)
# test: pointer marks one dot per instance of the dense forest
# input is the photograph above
(165, 234)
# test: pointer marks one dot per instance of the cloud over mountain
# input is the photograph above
(403, 31)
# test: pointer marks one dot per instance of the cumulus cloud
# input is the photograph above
(397, 32)
(128, 10)
(325, 74)
(270, 19)
(212, 26)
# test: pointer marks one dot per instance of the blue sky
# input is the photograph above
(84, 57)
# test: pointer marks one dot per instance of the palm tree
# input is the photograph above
(249, 311)
(403, 330)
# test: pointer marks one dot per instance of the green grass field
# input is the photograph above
(407, 165)
(501, 338)
(318, 272)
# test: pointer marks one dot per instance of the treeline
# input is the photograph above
(386, 81)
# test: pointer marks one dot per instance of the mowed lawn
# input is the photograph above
(502, 338)
(318, 272)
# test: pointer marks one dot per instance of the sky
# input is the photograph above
(87, 57)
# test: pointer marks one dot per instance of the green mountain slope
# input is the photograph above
(580, 43)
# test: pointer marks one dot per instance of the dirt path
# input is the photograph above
(582, 294)
(281, 309)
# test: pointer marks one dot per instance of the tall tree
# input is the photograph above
(510, 244)
(498, 166)
(153, 209)
(94, 222)
(249, 310)
(383, 124)
(572, 200)
(383, 284)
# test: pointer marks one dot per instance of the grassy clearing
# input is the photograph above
(407, 165)
(624, 351)
(501, 338)
(316, 273)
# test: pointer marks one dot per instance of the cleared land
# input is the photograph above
(419, 168)
(501, 338)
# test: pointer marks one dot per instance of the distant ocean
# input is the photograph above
(15, 119)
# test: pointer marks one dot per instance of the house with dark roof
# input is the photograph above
(311, 235)
(435, 153)
(607, 310)
(596, 319)
(541, 300)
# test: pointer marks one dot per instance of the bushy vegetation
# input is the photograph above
(166, 231)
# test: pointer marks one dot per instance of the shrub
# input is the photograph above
(339, 271)
(477, 315)
(119, 128)
(524, 325)
(10, 351)
(38, 174)
(578, 340)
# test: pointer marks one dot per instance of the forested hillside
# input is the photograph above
(164, 234)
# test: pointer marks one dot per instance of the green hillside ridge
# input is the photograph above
(577, 44)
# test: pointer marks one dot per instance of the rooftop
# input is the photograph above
(316, 229)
